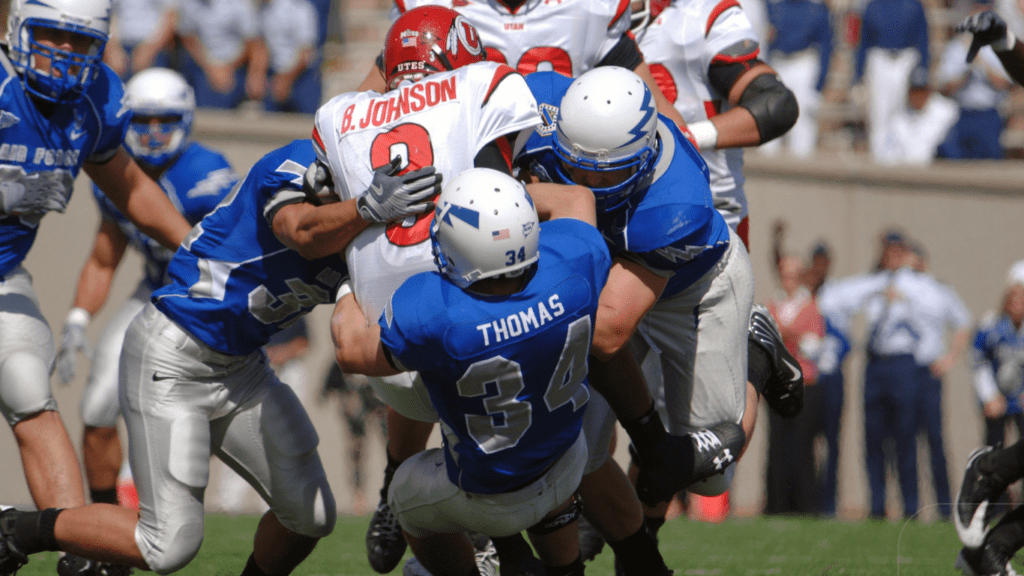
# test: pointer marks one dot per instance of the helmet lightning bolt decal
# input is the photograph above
(647, 107)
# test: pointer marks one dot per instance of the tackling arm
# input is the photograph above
(318, 231)
(560, 201)
(630, 292)
(357, 345)
(139, 198)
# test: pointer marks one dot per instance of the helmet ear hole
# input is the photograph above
(478, 234)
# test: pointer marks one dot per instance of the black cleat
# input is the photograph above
(784, 390)
(984, 561)
(385, 544)
(11, 559)
(713, 450)
(977, 493)
(71, 565)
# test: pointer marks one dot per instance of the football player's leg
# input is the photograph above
(26, 357)
(99, 408)
(281, 462)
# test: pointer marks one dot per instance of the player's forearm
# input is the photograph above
(93, 287)
(1013, 62)
(736, 129)
(559, 201)
(318, 231)
(357, 346)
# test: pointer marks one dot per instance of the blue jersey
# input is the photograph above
(506, 374)
(42, 153)
(232, 284)
(671, 227)
(799, 25)
(195, 183)
(995, 342)
(892, 25)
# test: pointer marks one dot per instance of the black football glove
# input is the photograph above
(393, 197)
(988, 29)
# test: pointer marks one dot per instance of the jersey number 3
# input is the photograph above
(508, 418)
(412, 143)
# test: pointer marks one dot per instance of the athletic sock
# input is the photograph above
(251, 569)
(1005, 465)
(573, 569)
(33, 531)
(639, 554)
(654, 524)
(1008, 534)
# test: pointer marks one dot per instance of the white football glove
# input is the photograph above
(392, 197)
(72, 341)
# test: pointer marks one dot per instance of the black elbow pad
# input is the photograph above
(772, 105)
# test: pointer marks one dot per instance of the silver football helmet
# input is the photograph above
(39, 33)
(164, 105)
(608, 122)
(485, 225)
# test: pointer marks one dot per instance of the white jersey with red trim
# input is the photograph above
(679, 46)
(567, 36)
(443, 120)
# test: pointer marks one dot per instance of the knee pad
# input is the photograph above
(24, 387)
(172, 548)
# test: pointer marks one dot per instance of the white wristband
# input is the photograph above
(78, 317)
(704, 133)
(345, 288)
(1005, 44)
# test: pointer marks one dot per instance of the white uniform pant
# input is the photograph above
(886, 79)
(426, 502)
(181, 402)
(26, 350)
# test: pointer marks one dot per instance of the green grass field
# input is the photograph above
(743, 547)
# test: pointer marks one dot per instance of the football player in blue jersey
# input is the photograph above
(61, 111)
(500, 337)
(680, 280)
(196, 179)
(194, 380)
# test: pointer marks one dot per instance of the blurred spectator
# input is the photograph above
(790, 477)
(979, 89)
(360, 408)
(893, 40)
(226, 59)
(889, 300)
(141, 35)
(800, 50)
(290, 31)
(941, 310)
(998, 364)
(919, 129)
(285, 353)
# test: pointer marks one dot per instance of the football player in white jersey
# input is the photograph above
(459, 113)
(62, 112)
(567, 36)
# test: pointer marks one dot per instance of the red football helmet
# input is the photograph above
(429, 39)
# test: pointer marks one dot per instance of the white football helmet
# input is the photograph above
(608, 121)
(485, 225)
(68, 73)
(159, 92)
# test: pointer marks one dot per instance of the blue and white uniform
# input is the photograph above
(195, 382)
(40, 156)
(507, 375)
(997, 367)
(195, 183)
(699, 324)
